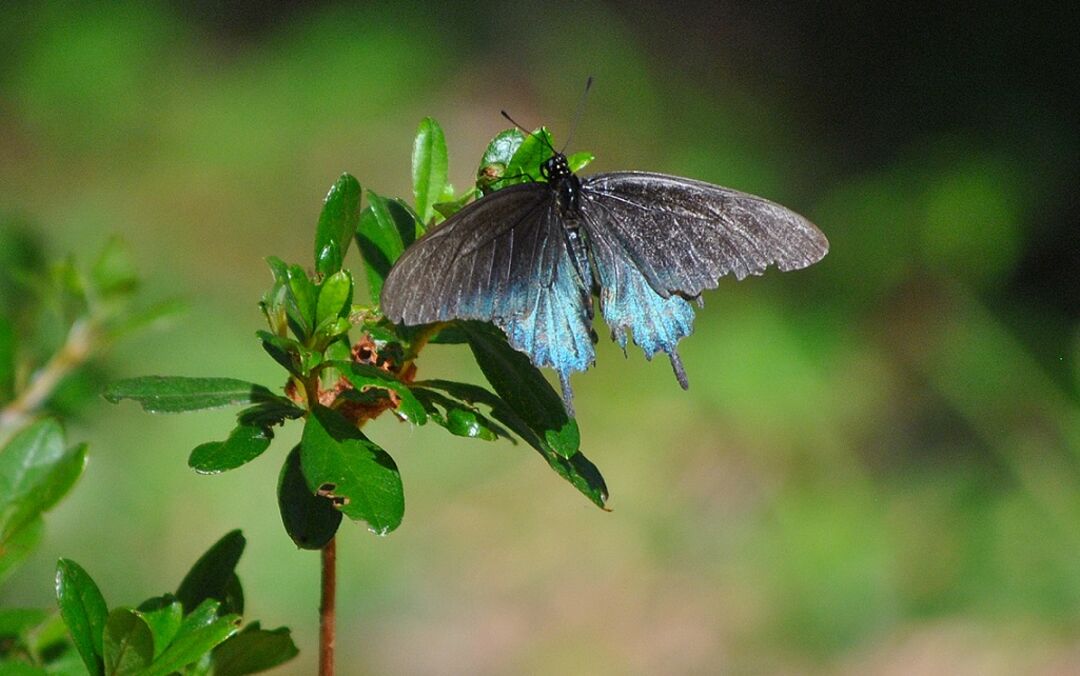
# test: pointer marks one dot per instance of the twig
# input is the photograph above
(326, 608)
(76, 349)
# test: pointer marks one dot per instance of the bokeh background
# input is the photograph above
(877, 467)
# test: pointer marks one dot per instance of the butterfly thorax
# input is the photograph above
(567, 188)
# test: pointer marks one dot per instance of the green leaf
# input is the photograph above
(429, 167)
(36, 470)
(452, 206)
(113, 272)
(19, 621)
(270, 412)
(578, 470)
(211, 575)
(496, 159)
(174, 394)
(254, 650)
(524, 388)
(310, 520)
(163, 614)
(245, 443)
(361, 479)
(335, 298)
(300, 302)
(83, 610)
(20, 545)
(337, 222)
(284, 351)
(7, 361)
(363, 376)
(199, 634)
(19, 668)
(524, 166)
(579, 161)
(128, 644)
(387, 228)
(159, 314)
(459, 418)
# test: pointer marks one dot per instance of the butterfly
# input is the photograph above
(530, 257)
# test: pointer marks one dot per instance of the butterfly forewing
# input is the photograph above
(475, 265)
(502, 259)
(684, 235)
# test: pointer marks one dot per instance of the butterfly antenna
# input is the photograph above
(542, 137)
(578, 112)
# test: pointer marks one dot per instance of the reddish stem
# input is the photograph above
(326, 608)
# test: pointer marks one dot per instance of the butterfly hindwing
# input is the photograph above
(629, 303)
(683, 235)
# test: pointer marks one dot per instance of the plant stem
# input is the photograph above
(326, 608)
(76, 349)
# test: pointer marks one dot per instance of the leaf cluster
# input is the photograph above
(346, 364)
(193, 631)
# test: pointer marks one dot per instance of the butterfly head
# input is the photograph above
(555, 167)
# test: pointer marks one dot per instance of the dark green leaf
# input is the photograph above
(496, 159)
(174, 394)
(163, 615)
(341, 463)
(113, 272)
(459, 418)
(20, 545)
(300, 302)
(386, 229)
(310, 520)
(128, 644)
(254, 650)
(7, 361)
(84, 612)
(578, 470)
(337, 222)
(284, 351)
(524, 388)
(269, 413)
(195, 639)
(429, 167)
(211, 575)
(335, 299)
(35, 472)
(245, 443)
(363, 376)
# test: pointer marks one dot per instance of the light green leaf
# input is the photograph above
(429, 167)
(36, 470)
(340, 463)
(335, 299)
(84, 612)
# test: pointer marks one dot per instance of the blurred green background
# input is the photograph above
(877, 467)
